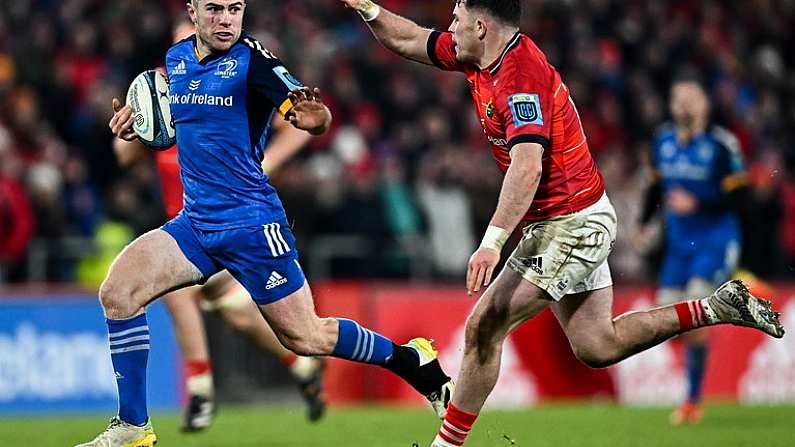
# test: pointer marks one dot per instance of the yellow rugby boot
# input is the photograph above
(440, 397)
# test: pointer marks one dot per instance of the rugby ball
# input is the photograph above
(148, 96)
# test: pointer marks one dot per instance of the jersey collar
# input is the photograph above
(212, 56)
(495, 66)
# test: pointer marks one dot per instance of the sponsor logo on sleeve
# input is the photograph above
(526, 109)
(289, 80)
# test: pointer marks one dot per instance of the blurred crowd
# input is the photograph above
(403, 185)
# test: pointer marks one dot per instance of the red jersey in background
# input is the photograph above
(168, 169)
(521, 98)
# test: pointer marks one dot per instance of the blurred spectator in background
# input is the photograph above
(763, 216)
(448, 208)
(59, 61)
(16, 217)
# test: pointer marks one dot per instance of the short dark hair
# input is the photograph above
(689, 75)
(508, 11)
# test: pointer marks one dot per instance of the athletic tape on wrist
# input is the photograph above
(370, 11)
(494, 238)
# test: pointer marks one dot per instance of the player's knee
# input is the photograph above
(116, 300)
(599, 352)
(483, 328)
(471, 332)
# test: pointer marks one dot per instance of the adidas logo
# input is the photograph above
(180, 68)
(119, 376)
(535, 264)
(275, 280)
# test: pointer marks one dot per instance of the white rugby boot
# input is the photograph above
(122, 434)
(733, 303)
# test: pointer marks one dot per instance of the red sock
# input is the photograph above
(197, 367)
(289, 359)
(455, 428)
(691, 314)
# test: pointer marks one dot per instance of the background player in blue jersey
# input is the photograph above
(224, 89)
(699, 181)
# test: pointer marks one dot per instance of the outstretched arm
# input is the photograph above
(308, 112)
(396, 33)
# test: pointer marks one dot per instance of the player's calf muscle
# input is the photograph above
(317, 339)
(486, 328)
(598, 352)
(631, 333)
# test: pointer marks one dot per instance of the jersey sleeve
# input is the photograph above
(731, 168)
(526, 105)
(441, 51)
(268, 78)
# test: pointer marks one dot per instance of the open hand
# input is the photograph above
(480, 269)
(122, 121)
(308, 112)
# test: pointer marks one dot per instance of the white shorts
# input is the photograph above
(568, 254)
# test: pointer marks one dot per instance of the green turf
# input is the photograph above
(553, 426)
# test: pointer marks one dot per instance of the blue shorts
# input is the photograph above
(713, 265)
(263, 259)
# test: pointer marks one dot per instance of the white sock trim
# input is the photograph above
(200, 385)
(439, 442)
(303, 367)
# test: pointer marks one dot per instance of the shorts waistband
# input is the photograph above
(601, 204)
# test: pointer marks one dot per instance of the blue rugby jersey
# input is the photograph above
(222, 106)
(708, 166)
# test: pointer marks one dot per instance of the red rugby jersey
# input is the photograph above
(168, 168)
(169, 172)
(521, 98)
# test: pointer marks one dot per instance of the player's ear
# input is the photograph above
(191, 11)
(480, 28)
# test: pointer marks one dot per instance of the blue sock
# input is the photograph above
(361, 344)
(129, 351)
(695, 362)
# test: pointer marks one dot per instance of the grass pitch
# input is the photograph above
(546, 426)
